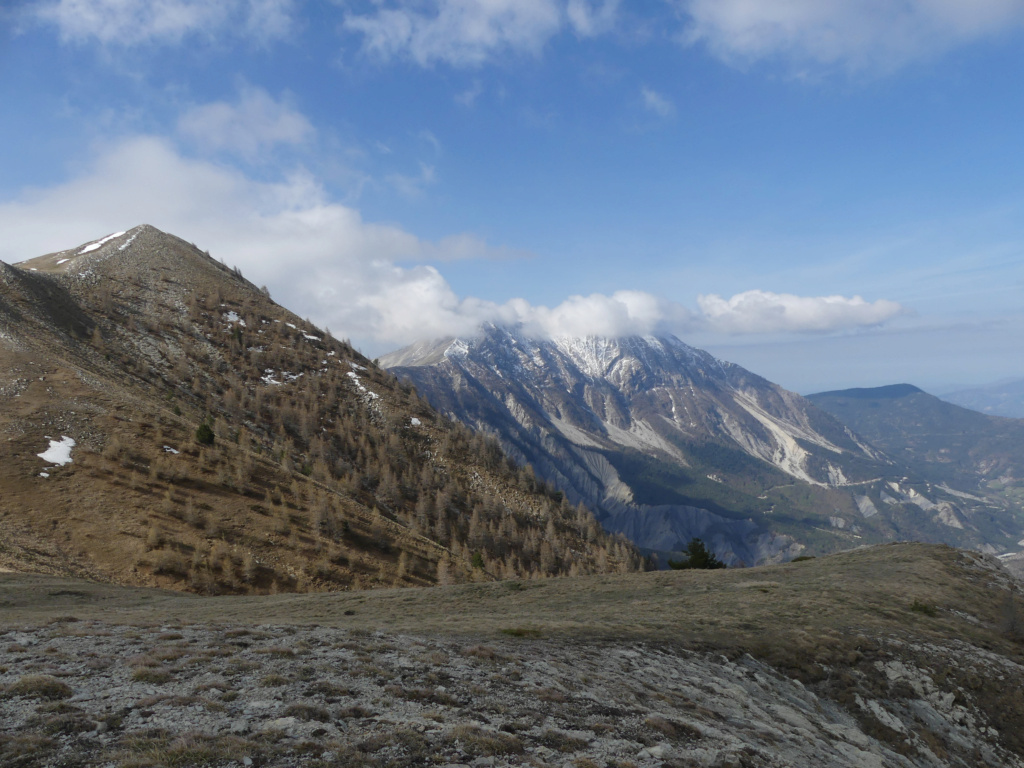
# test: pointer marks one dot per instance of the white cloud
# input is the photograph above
(468, 97)
(141, 22)
(370, 282)
(457, 32)
(624, 313)
(589, 18)
(657, 103)
(856, 34)
(766, 312)
(413, 186)
(270, 19)
(249, 127)
(320, 258)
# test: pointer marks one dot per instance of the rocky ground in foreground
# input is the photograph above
(86, 693)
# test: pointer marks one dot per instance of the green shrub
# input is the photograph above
(204, 434)
(928, 610)
(521, 632)
(698, 557)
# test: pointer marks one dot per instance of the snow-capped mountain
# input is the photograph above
(648, 393)
(666, 442)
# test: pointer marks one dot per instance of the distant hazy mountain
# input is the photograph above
(942, 442)
(666, 443)
(1005, 398)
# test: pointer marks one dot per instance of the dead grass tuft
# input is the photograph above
(151, 675)
(674, 729)
(278, 650)
(40, 687)
(561, 742)
(480, 652)
(477, 742)
(22, 750)
(184, 751)
(308, 712)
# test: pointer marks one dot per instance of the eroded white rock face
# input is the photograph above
(384, 699)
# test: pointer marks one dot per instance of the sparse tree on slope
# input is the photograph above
(698, 557)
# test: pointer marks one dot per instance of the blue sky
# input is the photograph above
(828, 192)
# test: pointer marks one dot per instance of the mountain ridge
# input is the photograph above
(940, 440)
(668, 443)
(1004, 398)
(318, 471)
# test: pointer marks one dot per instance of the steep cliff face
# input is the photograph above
(668, 443)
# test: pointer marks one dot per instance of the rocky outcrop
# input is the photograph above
(93, 693)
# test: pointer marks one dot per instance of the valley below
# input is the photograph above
(895, 655)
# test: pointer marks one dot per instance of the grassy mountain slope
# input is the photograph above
(322, 471)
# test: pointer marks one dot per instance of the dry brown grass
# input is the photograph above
(814, 609)
(40, 687)
(154, 676)
(477, 742)
(284, 492)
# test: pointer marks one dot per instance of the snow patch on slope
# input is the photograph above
(593, 355)
(370, 394)
(59, 452)
(100, 243)
(457, 350)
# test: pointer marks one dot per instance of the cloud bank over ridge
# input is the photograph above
(766, 312)
(367, 281)
(375, 283)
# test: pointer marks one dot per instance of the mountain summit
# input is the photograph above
(648, 393)
(668, 443)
